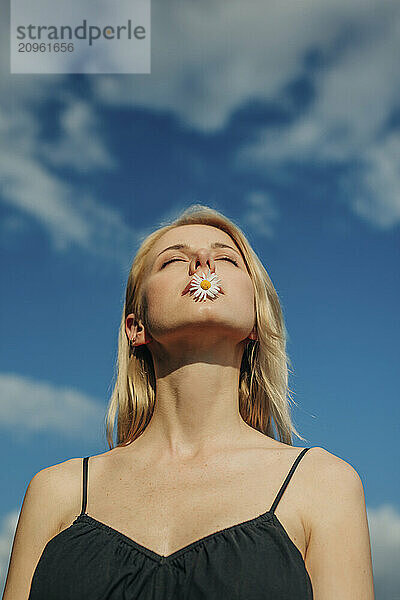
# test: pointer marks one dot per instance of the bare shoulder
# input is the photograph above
(329, 481)
(62, 469)
(339, 539)
(326, 479)
(60, 474)
(46, 498)
(54, 478)
(68, 479)
(63, 483)
(331, 469)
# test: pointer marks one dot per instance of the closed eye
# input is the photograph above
(230, 259)
(169, 261)
(180, 259)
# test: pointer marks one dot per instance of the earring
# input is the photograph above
(131, 346)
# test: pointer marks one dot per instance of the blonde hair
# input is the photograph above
(263, 383)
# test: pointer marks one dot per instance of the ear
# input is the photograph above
(135, 331)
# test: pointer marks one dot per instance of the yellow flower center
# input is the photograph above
(205, 284)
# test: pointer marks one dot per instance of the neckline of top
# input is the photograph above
(268, 515)
(160, 558)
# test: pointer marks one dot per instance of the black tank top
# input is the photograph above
(252, 560)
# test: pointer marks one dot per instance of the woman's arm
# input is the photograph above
(338, 556)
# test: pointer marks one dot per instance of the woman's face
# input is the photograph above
(176, 316)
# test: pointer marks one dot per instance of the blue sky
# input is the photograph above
(285, 118)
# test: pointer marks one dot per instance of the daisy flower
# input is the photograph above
(205, 285)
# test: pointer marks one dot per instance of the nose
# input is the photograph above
(202, 259)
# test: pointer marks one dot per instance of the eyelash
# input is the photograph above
(224, 258)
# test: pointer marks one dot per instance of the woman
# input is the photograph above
(194, 502)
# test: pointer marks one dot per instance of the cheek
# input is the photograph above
(158, 294)
(154, 297)
(157, 289)
(250, 303)
(246, 291)
(242, 295)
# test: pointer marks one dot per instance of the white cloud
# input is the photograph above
(29, 407)
(384, 524)
(79, 144)
(205, 64)
(371, 188)
(347, 123)
(68, 214)
(209, 59)
(7, 531)
(30, 184)
(21, 91)
(376, 196)
(259, 213)
(206, 67)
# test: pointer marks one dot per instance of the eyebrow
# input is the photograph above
(185, 246)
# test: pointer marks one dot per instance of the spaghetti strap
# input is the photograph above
(84, 487)
(288, 477)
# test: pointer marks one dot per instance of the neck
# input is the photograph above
(196, 410)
